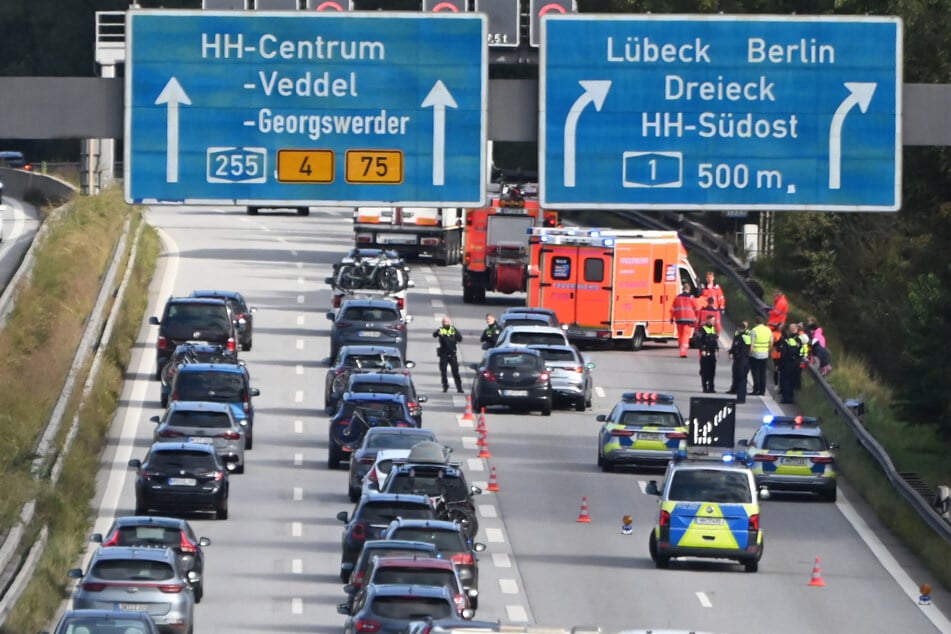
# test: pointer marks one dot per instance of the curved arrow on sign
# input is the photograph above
(548, 8)
(446, 6)
(595, 92)
(438, 99)
(860, 94)
(173, 94)
(328, 6)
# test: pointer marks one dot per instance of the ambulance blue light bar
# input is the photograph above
(793, 421)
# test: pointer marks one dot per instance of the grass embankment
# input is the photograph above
(37, 346)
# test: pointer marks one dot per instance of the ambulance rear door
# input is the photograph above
(575, 282)
(643, 278)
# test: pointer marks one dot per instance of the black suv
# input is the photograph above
(389, 383)
(375, 322)
(242, 313)
(181, 476)
(197, 319)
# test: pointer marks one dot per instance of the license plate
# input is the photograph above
(648, 436)
(369, 333)
(133, 607)
(795, 462)
(182, 482)
(514, 392)
(201, 440)
(708, 521)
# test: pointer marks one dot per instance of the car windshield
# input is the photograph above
(414, 608)
(223, 387)
(418, 576)
(537, 338)
(105, 625)
(373, 361)
(388, 511)
(207, 420)
(181, 460)
(148, 536)
(792, 442)
(445, 541)
(427, 484)
(132, 570)
(650, 419)
(369, 313)
(524, 321)
(514, 361)
(182, 319)
(556, 355)
(395, 440)
(710, 485)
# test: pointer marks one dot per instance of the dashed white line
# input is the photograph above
(501, 560)
(642, 485)
(300, 280)
(300, 320)
(299, 396)
(435, 290)
(298, 459)
(298, 426)
(298, 494)
(508, 586)
(300, 344)
(299, 369)
(488, 510)
(300, 299)
(297, 529)
(297, 566)
(516, 613)
(294, 253)
(435, 302)
(599, 391)
(475, 464)
(704, 600)
(300, 265)
(297, 605)
(494, 535)
(468, 442)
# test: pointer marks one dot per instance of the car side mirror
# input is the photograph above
(408, 319)
(154, 419)
(600, 418)
(343, 516)
(651, 488)
(330, 315)
(468, 613)
(764, 493)
(254, 391)
(410, 364)
(743, 442)
(193, 577)
(350, 588)
(343, 608)
(410, 283)
(474, 490)
(329, 280)
(204, 542)
(590, 365)
(474, 366)
(154, 321)
(478, 547)
(422, 399)
(833, 446)
(135, 463)
(96, 538)
(75, 573)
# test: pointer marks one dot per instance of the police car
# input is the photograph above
(709, 508)
(643, 429)
(790, 453)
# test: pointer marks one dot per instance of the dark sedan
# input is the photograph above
(512, 376)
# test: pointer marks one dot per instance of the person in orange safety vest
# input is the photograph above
(712, 289)
(777, 314)
(683, 312)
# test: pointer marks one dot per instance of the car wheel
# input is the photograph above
(831, 495)
(303, 211)
(199, 592)
(476, 405)
(659, 561)
(239, 469)
(354, 495)
(163, 400)
(751, 566)
(141, 508)
(581, 404)
(221, 513)
(607, 466)
(600, 459)
(637, 341)
(246, 346)
(546, 411)
(474, 602)
(253, 211)
(466, 295)
(248, 441)
(334, 456)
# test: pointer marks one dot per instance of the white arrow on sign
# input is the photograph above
(595, 92)
(172, 94)
(439, 99)
(860, 94)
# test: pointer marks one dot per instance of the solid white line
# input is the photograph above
(475, 464)
(298, 426)
(495, 535)
(299, 369)
(299, 396)
(298, 494)
(909, 587)
(298, 459)
(599, 391)
(297, 605)
(704, 599)
(508, 586)
(516, 614)
(488, 510)
(501, 560)
(297, 566)
(300, 344)
(297, 529)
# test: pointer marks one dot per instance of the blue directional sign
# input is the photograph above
(720, 112)
(306, 108)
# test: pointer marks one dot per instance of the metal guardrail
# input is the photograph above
(722, 254)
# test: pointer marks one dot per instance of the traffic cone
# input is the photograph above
(583, 515)
(481, 426)
(484, 452)
(468, 413)
(493, 481)
(481, 442)
(816, 576)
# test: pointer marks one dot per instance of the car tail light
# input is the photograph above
(174, 396)
(400, 302)
(487, 374)
(343, 421)
(358, 532)
(664, 518)
(460, 601)
(754, 522)
(217, 475)
(230, 435)
(367, 460)
(91, 586)
(372, 477)
(463, 559)
(246, 404)
(543, 377)
(231, 346)
(186, 545)
(402, 423)
(822, 460)
(362, 239)
(162, 343)
(401, 326)
(168, 433)
(578, 369)
(765, 457)
(336, 301)
(366, 625)
(627, 433)
(151, 474)
(170, 588)
(112, 541)
(413, 407)
(677, 435)
(340, 371)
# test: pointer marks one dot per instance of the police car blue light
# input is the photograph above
(607, 242)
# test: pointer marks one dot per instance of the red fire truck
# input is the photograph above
(495, 257)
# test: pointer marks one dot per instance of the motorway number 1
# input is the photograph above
(374, 167)
(305, 166)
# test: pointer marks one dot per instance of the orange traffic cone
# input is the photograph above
(481, 442)
(481, 426)
(468, 414)
(816, 576)
(493, 481)
(583, 516)
(484, 452)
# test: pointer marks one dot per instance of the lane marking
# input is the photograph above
(599, 391)
(294, 252)
(488, 510)
(469, 442)
(298, 426)
(495, 535)
(299, 369)
(475, 464)
(298, 459)
(298, 494)
(435, 290)
(704, 599)
(508, 586)
(642, 485)
(501, 560)
(300, 320)
(300, 280)
(300, 299)
(300, 344)
(300, 265)
(516, 613)
(297, 529)
(299, 396)
(297, 605)
(464, 423)
(297, 566)
(482, 484)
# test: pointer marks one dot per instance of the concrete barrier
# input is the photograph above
(33, 187)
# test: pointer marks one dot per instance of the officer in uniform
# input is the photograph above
(491, 333)
(740, 353)
(762, 341)
(709, 345)
(790, 355)
(448, 338)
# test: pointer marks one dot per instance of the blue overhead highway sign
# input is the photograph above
(720, 112)
(316, 108)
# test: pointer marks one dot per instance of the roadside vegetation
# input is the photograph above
(38, 345)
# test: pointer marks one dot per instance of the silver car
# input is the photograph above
(570, 374)
(147, 580)
(205, 423)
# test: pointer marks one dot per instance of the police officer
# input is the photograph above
(709, 346)
(762, 341)
(491, 333)
(448, 338)
(740, 353)
(790, 355)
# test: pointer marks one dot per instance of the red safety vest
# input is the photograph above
(684, 309)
